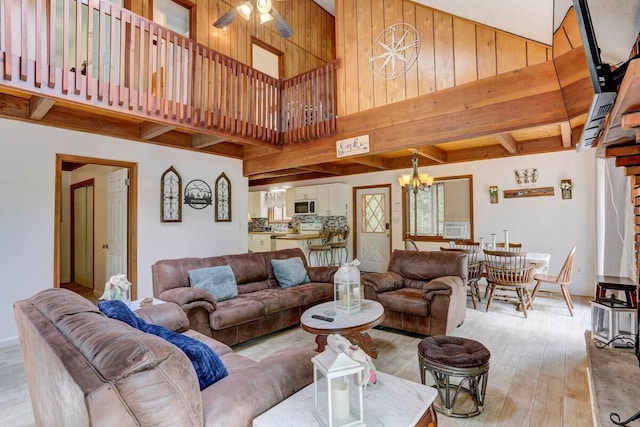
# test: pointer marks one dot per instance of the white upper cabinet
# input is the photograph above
(257, 205)
(332, 199)
(307, 193)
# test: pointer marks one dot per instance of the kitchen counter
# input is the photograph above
(299, 236)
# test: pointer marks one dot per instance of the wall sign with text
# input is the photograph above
(352, 146)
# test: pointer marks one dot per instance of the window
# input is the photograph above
(442, 213)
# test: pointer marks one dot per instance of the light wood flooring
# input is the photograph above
(538, 374)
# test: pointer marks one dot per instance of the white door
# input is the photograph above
(373, 228)
(117, 195)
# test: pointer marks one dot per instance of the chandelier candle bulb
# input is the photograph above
(506, 240)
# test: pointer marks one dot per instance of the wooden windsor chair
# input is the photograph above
(474, 271)
(339, 245)
(509, 271)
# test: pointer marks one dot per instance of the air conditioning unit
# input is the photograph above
(456, 230)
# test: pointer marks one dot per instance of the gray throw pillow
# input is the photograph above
(290, 272)
(218, 281)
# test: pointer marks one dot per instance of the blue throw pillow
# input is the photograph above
(209, 368)
(218, 281)
(290, 272)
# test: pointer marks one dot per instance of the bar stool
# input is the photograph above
(321, 252)
(339, 245)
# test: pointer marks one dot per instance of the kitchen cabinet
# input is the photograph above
(257, 205)
(291, 200)
(307, 193)
(260, 242)
(332, 199)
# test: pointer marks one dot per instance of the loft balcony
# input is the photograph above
(64, 58)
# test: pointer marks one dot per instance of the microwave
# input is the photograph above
(305, 207)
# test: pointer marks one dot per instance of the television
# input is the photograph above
(602, 79)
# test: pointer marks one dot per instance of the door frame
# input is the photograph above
(354, 200)
(132, 215)
(72, 229)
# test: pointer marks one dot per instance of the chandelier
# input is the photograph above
(416, 181)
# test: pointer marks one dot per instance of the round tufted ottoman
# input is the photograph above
(460, 368)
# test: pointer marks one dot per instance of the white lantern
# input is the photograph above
(337, 381)
(346, 288)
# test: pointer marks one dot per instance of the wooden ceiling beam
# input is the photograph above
(326, 168)
(199, 140)
(508, 142)
(14, 107)
(149, 130)
(39, 107)
(433, 153)
(632, 170)
(373, 161)
(543, 108)
(628, 160)
(282, 173)
(285, 179)
(565, 131)
(630, 119)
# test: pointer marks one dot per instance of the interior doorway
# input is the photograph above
(81, 233)
(63, 163)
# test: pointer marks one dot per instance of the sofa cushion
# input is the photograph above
(290, 272)
(405, 300)
(314, 293)
(275, 300)
(208, 366)
(236, 311)
(218, 281)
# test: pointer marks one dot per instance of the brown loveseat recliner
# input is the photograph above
(422, 292)
(262, 305)
(85, 369)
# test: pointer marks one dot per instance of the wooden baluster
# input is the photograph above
(78, 34)
(51, 50)
(122, 49)
(102, 48)
(39, 54)
(24, 54)
(65, 47)
(143, 54)
(89, 68)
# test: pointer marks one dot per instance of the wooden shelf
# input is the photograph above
(528, 192)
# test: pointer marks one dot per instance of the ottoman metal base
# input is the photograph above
(461, 390)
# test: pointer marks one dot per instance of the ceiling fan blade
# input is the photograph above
(281, 25)
(227, 18)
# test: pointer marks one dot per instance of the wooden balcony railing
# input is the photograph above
(94, 52)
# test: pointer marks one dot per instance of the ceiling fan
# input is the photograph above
(267, 13)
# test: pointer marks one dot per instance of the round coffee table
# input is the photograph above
(350, 326)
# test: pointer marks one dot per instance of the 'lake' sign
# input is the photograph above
(352, 146)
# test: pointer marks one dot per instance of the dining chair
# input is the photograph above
(474, 271)
(509, 271)
(410, 245)
(513, 247)
(563, 279)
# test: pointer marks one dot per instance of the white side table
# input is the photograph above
(613, 325)
(135, 304)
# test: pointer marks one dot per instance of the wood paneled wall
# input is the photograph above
(453, 51)
(312, 45)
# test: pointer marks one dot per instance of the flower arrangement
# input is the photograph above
(566, 185)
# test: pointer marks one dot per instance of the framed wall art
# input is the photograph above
(170, 196)
(223, 198)
(197, 194)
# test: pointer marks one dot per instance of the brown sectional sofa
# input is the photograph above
(262, 306)
(422, 292)
(84, 368)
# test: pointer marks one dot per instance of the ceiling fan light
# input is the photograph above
(264, 7)
(265, 17)
(245, 9)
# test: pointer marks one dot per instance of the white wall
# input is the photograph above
(27, 207)
(542, 224)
